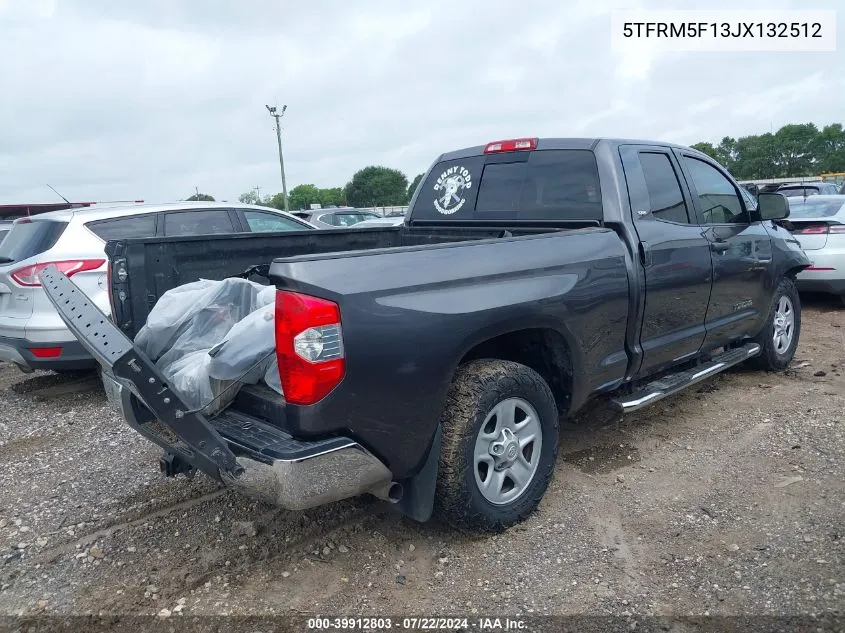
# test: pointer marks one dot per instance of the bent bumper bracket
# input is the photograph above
(206, 449)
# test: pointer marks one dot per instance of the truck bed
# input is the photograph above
(159, 264)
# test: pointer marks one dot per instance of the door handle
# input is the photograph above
(720, 246)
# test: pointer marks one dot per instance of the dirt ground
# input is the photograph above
(726, 499)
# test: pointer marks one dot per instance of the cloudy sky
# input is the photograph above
(124, 99)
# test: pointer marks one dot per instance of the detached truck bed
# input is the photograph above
(428, 364)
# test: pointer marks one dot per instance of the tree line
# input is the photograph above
(373, 186)
(794, 150)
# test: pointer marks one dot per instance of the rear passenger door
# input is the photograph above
(673, 253)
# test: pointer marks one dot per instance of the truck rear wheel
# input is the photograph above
(500, 440)
(778, 339)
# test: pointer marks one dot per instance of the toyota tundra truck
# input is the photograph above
(429, 364)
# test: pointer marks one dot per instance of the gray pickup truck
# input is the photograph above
(429, 364)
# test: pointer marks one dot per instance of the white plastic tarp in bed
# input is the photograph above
(209, 338)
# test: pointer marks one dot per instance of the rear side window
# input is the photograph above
(556, 185)
(29, 238)
(664, 191)
(125, 228)
(799, 192)
(815, 208)
(201, 222)
(261, 222)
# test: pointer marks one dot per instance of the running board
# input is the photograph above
(673, 383)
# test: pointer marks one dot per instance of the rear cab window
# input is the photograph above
(537, 185)
(29, 237)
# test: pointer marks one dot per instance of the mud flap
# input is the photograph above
(194, 438)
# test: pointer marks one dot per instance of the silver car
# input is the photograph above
(809, 189)
(819, 224)
(338, 218)
(32, 336)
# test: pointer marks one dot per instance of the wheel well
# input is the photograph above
(793, 272)
(543, 350)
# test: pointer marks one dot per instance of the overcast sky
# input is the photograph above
(124, 99)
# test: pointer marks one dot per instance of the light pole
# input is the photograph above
(277, 116)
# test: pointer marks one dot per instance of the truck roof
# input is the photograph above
(565, 143)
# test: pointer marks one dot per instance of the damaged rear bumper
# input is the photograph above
(241, 451)
(275, 467)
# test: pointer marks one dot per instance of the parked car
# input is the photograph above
(390, 220)
(338, 218)
(32, 336)
(818, 222)
(804, 190)
(5, 227)
(429, 364)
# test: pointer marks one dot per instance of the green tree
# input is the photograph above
(332, 196)
(277, 201)
(798, 149)
(302, 196)
(793, 146)
(829, 148)
(201, 197)
(376, 186)
(706, 148)
(250, 197)
(413, 186)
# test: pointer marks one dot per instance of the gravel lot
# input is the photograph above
(727, 499)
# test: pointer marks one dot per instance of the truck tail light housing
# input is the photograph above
(513, 145)
(309, 346)
(28, 275)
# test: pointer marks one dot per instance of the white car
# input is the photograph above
(819, 224)
(32, 336)
(392, 220)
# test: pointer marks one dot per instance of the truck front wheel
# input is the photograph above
(779, 337)
(500, 440)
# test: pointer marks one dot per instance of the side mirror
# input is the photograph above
(772, 206)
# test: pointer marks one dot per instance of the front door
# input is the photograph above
(742, 254)
(674, 255)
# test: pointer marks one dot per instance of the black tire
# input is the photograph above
(478, 387)
(770, 359)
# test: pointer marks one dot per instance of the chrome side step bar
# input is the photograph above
(673, 383)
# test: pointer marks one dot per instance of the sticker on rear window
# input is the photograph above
(449, 188)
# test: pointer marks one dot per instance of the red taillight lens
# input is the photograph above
(46, 352)
(513, 145)
(309, 347)
(28, 275)
(815, 229)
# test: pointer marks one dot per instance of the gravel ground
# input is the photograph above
(726, 499)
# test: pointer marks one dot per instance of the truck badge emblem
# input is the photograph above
(449, 186)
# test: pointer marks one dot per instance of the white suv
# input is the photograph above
(32, 336)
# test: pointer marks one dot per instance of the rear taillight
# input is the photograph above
(815, 229)
(837, 229)
(28, 275)
(46, 352)
(309, 346)
(513, 145)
